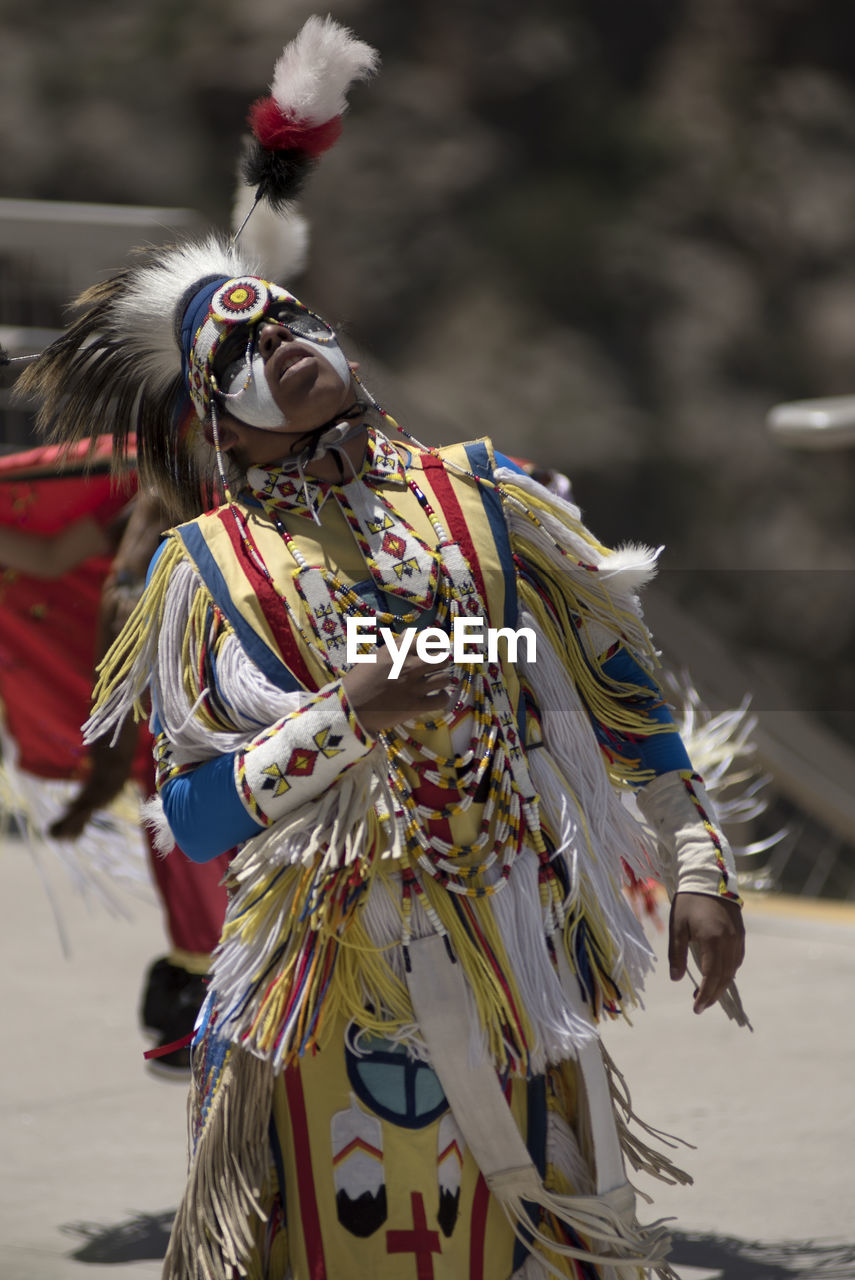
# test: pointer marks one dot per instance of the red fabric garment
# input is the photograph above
(192, 897)
(191, 894)
(48, 626)
(48, 642)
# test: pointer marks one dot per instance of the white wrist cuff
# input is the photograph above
(695, 854)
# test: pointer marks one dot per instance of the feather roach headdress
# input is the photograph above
(136, 357)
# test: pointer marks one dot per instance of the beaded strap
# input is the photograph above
(688, 779)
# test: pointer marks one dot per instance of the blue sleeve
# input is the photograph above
(658, 752)
(203, 808)
(161, 547)
(204, 811)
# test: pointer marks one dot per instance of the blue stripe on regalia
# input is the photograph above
(260, 653)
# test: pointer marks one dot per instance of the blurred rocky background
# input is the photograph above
(611, 234)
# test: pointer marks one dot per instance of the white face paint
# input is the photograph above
(249, 398)
(248, 395)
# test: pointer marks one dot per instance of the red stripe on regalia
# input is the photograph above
(478, 1231)
(455, 519)
(309, 1215)
(271, 605)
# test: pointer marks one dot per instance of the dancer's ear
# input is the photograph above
(228, 430)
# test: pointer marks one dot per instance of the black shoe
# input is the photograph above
(169, 1007)
(162, 983)
(172, 996)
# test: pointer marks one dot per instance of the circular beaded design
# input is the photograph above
(240, 301)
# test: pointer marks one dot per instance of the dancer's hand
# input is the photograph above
(714, 928)
(420, 691)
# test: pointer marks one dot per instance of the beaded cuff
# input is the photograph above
(300, 756)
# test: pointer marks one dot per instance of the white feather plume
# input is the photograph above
(143, 312)
(316, 68)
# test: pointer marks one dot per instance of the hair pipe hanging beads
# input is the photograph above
(215, 431)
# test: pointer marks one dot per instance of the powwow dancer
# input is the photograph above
(397, 1069)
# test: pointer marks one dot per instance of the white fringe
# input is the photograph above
(597, 875)
(108, 863)
(621, 573)
(335, 823)
(154, 817)
(616, 1237)
(593, 845)
(564, 1153)
(559, 1032)
(253, 701)
(721, 750)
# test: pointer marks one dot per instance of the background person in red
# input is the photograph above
(74, 545)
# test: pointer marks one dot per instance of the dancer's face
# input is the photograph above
(285, 373)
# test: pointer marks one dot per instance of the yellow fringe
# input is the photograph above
(361, 975)
(205, 627)
(549, 507)
(363, 985)
(367, 987)
(145, 622)
(562, 1093)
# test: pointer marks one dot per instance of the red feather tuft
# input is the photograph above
(277, 132)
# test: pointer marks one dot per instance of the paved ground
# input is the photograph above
(92, 1147)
